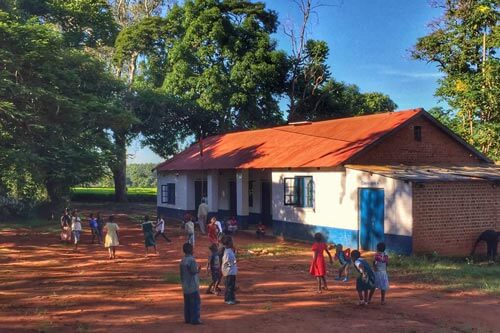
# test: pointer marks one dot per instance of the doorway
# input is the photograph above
(371, 218)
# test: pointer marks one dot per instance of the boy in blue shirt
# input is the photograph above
(189, 271)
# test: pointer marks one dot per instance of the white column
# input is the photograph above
(213, 191)
(242, 193)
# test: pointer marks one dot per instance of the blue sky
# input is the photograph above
(369, 44)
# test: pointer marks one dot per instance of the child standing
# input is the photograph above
(229, 270)
(365, 283)
(345, 263)
(189, 227)
(149, 237)
(318, 266)
(213, 266)
(111, 239)
(94, 229)
(190, 280)
(380, 267)
(213, 231)
(76, 228)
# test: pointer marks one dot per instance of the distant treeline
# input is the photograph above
(138, 175)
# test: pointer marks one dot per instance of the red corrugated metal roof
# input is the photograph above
(319, 144)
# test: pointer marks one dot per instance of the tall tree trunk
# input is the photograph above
(58, 194)
(119, 167)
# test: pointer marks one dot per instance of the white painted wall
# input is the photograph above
(181, 189)
(336, 200)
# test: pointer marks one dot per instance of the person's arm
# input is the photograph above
(329, 255)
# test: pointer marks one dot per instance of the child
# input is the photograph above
(100, 225)
(213, 231)
(76, 228)
(229, 270)
(380, 267)
(149, 239)
(365, 283)
(345, 262)
(111, 239)
(160, 229)
(318, 267)
(213, 266)
(189, 227)
(66, 226)
(261, 230)
(190, 280)
(93, 229)
(232, 225)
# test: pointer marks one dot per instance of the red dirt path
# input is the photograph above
(46, 287)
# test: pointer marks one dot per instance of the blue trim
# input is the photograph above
(305, 232)
(254, 218)
(398, 244)
(175, 213)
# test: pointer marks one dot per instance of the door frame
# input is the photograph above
(359, 210)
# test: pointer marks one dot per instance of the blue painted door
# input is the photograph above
(371, 211)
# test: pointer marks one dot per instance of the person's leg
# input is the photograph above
(157, 234)
(195, 308)
(187, 309)
(360, 295)
(165, 236)
(382, 296)
(231, 286)
(346, 272)
(325, 286)
(110, 251)
(365, 295)
(370, 294)
(318, 279)
(114, 251)
(226, 292)
(154, 247)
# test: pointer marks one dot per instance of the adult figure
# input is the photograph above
(202, 215)
(491, 237)
(149, 236)
(111, 239)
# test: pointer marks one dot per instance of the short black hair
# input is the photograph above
(111, 218)
(226, 240)
(146, 218)
(187, 248)
(355, 254)
(381, 247)
(318, 237)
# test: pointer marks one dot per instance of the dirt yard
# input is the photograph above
(46, 287)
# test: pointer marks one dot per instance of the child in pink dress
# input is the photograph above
(318, 266)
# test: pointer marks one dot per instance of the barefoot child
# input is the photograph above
(149, 237)
(380, 267)
(365, 283)
(111, 239)
(189, 271)
(76, 228)
(229, 270)
(213, 266)
(318, 266)
(345, 262)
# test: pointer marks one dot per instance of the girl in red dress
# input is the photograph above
(318, 266)
(213, 231)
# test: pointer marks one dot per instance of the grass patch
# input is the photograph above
(34, 223)
(451, 274)
(93, 194)
(267, 249)
(175, 278)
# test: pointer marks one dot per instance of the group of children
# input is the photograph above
(221, 264)
(71, 228)
(369, 278)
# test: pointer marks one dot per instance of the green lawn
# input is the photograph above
(92, 194)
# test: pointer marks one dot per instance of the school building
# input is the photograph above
(399, 177)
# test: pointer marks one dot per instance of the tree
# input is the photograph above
(57, 105)
(463, 45)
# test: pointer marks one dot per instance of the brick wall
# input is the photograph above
(448, 217)
(436, 147)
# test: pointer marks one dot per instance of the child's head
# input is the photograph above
(227, 241)
(339, 247)
(187, 248)
(355, 255)
(213, 248)
(146, 218)
(111, 218)
(91, 215)
(213, 219)
(318, 237)
(381, 247)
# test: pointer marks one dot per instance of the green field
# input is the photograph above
(91, 194)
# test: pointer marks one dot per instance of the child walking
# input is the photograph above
(229, 270)
(318, 266)
(189, 227)
(94, 229)
(213, 231)
(149, 237)
(380, 267)
(111, 239)
(213, 266)
(76, 228)
(365, 283)
(345, 263)
(160, 229)
(189, 272)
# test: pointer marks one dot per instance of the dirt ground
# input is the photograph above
(46, 287)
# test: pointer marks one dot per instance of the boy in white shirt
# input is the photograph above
(160, 229)
(76, 228)
(189, 227)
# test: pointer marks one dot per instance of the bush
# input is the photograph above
(98, 194)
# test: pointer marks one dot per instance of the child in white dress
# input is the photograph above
(380, 269)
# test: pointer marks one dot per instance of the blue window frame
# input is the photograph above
(168, 194)
(299, 191)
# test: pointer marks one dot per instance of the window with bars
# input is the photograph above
(299, 191)
(168, 194)
(250, 193)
